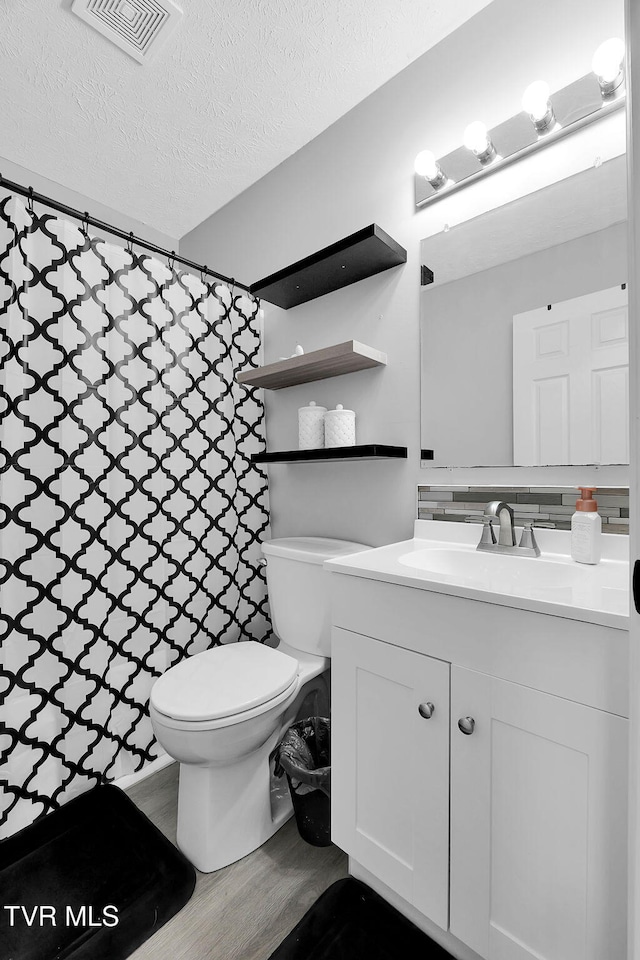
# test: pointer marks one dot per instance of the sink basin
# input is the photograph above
(482, 567)
(558, 579)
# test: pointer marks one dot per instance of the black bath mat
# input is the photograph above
(95, 860)
(351, 922)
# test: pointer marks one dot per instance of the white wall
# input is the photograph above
(360, 171)
(25, 177)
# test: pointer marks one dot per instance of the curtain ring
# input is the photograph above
(30, 200)
(130, 243)
(85, 223)
(203, 274)
(171, 262)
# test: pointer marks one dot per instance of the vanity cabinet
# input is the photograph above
(508, 829)
(390, 766)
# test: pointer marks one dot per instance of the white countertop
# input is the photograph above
(593, 593)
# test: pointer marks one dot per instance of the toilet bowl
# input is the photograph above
(221, 712)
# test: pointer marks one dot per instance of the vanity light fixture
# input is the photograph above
(545, 118)
(536, 102)
(428, 167)
(479, 142)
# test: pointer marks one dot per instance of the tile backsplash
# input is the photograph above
(546, 506)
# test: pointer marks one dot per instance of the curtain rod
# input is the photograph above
(103, 225)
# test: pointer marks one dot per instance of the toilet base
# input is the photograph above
(225, 813)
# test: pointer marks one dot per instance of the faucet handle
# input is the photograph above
(488, 535)
(528, 539)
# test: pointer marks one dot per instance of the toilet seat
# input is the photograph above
(236, 719)
(226, 684)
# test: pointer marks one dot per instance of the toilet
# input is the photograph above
(221, 712)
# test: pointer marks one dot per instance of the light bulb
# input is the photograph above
(476, 137)
(479, 142)
(607, 60)
(535, 100)
(426, 165)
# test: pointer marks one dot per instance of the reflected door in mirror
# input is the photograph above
(571, 381)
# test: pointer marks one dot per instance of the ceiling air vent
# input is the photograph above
(139, 27)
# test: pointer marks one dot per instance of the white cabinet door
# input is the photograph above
(538, 824)
(390, 767)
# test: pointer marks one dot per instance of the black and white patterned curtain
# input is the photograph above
(130, 514)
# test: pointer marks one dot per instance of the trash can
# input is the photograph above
(304, 754)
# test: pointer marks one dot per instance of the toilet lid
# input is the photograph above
(223, 681)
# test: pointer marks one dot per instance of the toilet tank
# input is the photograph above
(298, 589)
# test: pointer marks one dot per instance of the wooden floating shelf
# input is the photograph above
(360, 255)
(347, 357)
(363, 451)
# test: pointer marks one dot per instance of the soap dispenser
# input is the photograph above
(586, 528)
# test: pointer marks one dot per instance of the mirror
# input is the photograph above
(555, 248)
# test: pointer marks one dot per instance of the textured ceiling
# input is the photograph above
(242, 85)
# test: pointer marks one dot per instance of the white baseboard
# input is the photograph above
(158, 764)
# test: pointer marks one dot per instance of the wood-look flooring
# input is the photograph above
(243, 911)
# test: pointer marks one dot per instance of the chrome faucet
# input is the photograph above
(498, 510)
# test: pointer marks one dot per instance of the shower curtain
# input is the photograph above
(130, 513)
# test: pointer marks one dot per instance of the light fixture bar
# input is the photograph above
(574, 106)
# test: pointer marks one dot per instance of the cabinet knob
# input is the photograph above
(466, 725)
(426, 710)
